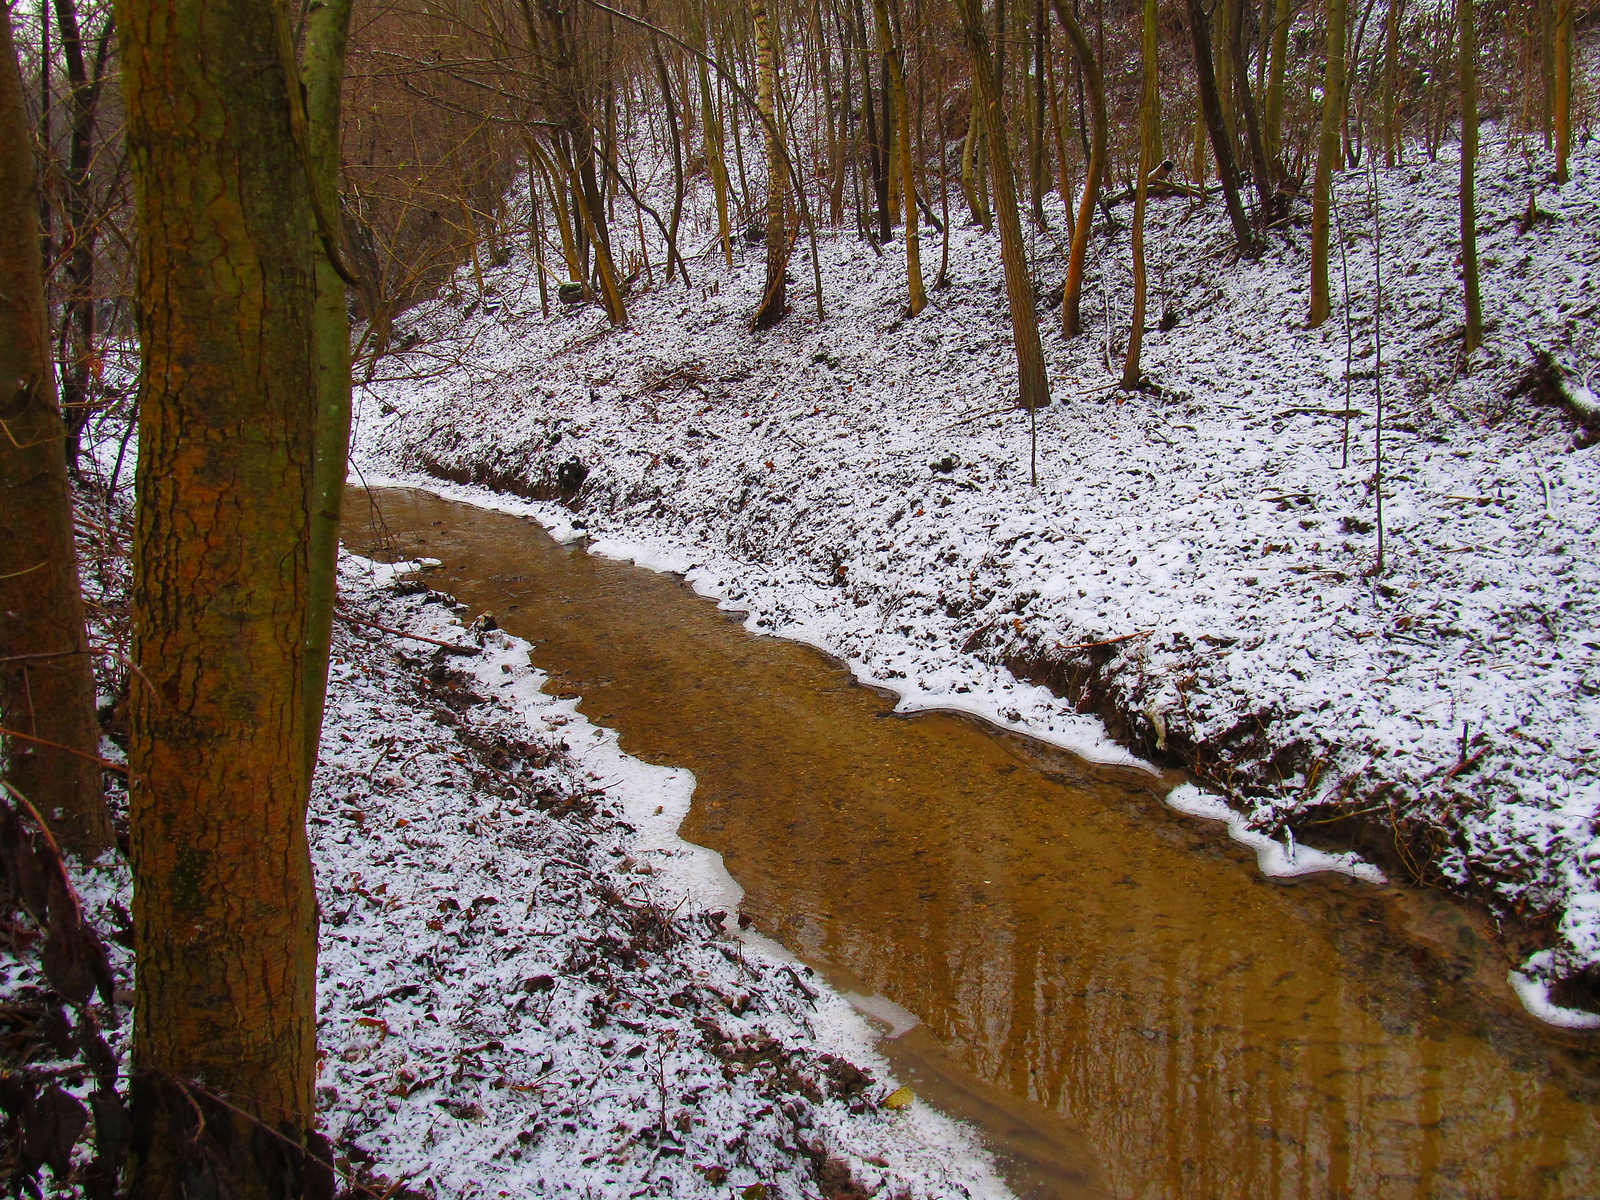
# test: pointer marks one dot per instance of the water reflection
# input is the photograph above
(1065, 938)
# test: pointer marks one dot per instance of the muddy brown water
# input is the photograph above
(1110, 991)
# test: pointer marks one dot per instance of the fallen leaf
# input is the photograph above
(900, 1098)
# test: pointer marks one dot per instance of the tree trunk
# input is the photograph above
(1563, 71)
(1036, 126)
(1266, 183)
(1391, 56)
(671, 108)
(1273, 117)
(917, 297)
(223, 908)
(46, 682)
(322, 73)
(774, 296)
(1221, 139)
(1072, 290)
(1033, 386)
(1148, 151)
(1222, 63)
(969, 165)
(1546, 33)
(1328, 154)
(79, 233)
(1468, 68)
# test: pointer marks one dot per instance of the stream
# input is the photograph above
(1110, 991)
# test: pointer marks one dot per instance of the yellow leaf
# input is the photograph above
(900, 1098)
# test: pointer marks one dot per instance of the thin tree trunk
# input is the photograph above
(536, 232)
(79, 232)
(1563, 72)
(1266, 183)
(774, 296)
(47, 140)
(1036, 127)
(1063, 169)
(1468, 71)
(46, 682)
(1547, 68)
(1072, 290)
(224, 915)
(1033, 386)
(1132, 376)
(1327, 155)
(327, 29)
(969, 164)
(1222, 33)
(1273, 118)
(917, 297)
(671, 107)
(1221, 139)
(1391, 57)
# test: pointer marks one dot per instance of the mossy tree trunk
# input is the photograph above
(224, 912)
(46, 683)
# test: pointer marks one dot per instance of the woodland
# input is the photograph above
(222, 220)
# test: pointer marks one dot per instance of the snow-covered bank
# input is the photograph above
(521, 988)
(1192, 576)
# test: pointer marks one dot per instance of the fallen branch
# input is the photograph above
(1144, 633)
(453, 647)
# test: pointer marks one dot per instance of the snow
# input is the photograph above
(1277, 860)
(1192, 580)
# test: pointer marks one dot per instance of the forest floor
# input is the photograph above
(527, 984)
(1194, 578)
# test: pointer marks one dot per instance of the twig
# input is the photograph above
(1465, 764)
(1143, 633)
(453, 647)
(28, 737)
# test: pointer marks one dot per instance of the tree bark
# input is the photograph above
(46, 681)
(223, 910)
(1328, 154)
(774, 297)
(1563, 72)
(1265, 180)
(917, 297)
(1036, 125)
(79, 231)
(1132, 376)
(1033, 386)
(1468, 73)
(1071, 291)
(322, 72)
(1221, 139)
(1273, 117)
(1391, 55)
